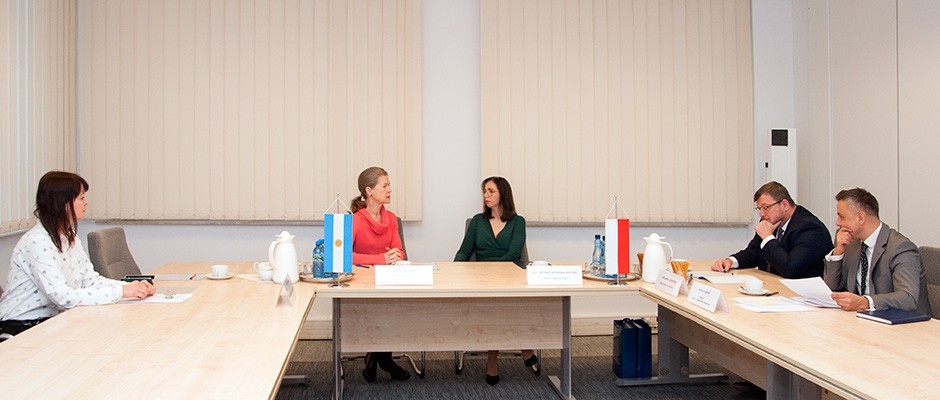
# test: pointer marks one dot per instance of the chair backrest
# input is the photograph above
(930, 256)
(401, 234)
(109, 254)
(523, 257)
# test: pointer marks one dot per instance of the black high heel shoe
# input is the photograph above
(533, 363)
(529, 362)
(492, 380)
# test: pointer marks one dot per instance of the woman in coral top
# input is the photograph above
(376, 241)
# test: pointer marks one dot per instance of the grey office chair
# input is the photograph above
(930, 256)
(419, 371)
(459, 355)
(108, 252)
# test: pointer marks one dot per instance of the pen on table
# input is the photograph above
(362, 266)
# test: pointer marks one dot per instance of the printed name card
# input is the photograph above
(671, 283)
(707, 297)
(404, 275)
(553, 275)
(286, 295)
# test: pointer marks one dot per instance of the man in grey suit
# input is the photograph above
(872, 266)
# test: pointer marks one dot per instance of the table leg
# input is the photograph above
(673, 359)
(337, 364)
(783, 384)
(562, 384)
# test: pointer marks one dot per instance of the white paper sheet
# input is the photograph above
(720, 278)
(814, 288)
(770, 304)
(161, 298)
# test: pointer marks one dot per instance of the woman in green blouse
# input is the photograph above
(496, 234)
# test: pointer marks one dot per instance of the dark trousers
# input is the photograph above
(14, 327)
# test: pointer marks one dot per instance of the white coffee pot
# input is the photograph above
(282, 256)
(654, 257)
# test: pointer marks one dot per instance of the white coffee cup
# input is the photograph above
(754, 285)
(539, 262)
(220, 270)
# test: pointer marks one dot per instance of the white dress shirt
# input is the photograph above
(44, 282)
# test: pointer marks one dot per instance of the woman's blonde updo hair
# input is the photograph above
(367, 178)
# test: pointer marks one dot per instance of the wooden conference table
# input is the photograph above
(227, 341)
(793, 355)
(474, 306)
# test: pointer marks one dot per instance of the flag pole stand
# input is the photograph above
(336, 283)
(616, 207)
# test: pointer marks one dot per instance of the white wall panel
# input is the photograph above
(919, 119)
(865, 100)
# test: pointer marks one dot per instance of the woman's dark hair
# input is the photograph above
(367, 178)
(505, 198)
(57, 190)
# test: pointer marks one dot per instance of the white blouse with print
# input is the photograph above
(44, 282)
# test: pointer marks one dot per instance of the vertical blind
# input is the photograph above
(246, 110)
(648, 100)
(37, 130)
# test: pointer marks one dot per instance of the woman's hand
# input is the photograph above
(138, 290)
(392, 255)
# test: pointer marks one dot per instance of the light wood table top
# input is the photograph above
(468, 279)
(852, 357)
(227, 341)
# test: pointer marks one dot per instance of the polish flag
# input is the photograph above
(337, 238)
(617, 252)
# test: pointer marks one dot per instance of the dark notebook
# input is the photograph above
(893, 316)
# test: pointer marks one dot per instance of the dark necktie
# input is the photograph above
(864, 280)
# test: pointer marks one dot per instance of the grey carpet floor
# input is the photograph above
(591, 377)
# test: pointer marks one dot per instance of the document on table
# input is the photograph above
(770, 304)
(815, 292)
(161, 298)
(720, 278)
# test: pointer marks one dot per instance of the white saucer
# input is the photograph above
(762, 292)
(220, 278)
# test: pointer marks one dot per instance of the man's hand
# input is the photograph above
(843, 238)
(722, 265)
(850, 301)
(764, 228)
(138, 290)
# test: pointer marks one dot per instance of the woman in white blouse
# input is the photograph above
(49, 270)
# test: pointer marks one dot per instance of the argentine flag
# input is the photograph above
(337, 238)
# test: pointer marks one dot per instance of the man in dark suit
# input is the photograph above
(872, 266)
(789, 241)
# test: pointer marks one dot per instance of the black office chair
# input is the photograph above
(459, 355)
(3, 336)
(419, 371)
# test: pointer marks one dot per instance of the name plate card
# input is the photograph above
(671, 283)
(553, 275)
(404, 275)
(286, 295)
(707, 297)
